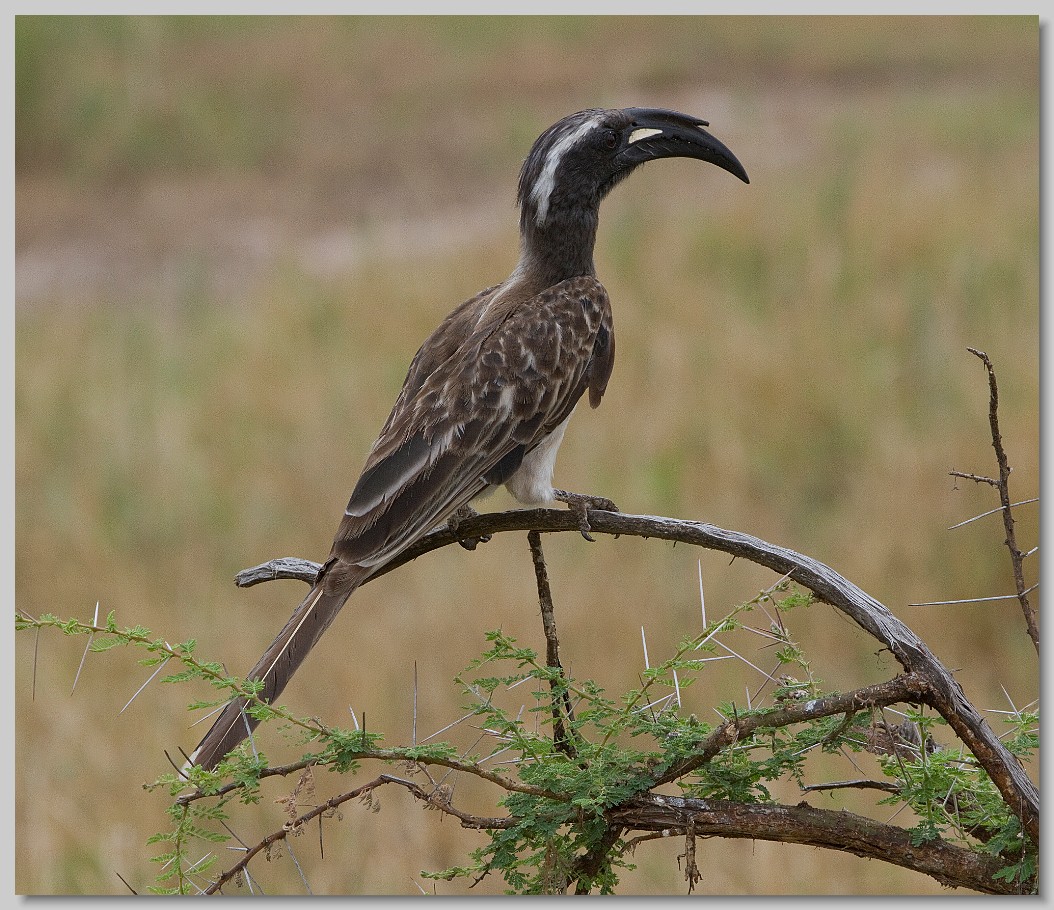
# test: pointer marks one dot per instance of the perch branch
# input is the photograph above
(291, 567)
(944, 693)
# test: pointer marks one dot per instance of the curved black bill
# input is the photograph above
(657, 133)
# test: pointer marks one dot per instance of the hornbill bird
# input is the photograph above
(488, 396)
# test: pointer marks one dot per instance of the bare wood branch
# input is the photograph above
(386, 755)
(863, 784)
(273, 838)
(976, 478)
(587, 867)
(802, 824)
(129, 887)
(437, 799)
(285, 567)
(945, 693)
(906, 688)
(561, 699)
(1003, 485)
(282, 833)
(692, 875)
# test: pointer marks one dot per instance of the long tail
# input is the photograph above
(278, 664)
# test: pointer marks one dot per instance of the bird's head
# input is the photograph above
(577, 161)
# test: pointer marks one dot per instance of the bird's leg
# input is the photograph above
(580, 504)
(454, 521)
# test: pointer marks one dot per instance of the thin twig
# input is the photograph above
(863, 784)
(836, 733)
(435, 800)
(283, 832)
(129, 887)
(899, 689)
(384, 755)
(1003, 485)
(976, 478)
(561, 698)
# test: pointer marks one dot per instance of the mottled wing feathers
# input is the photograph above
(601, 362)
(500, 373)
(437, 348)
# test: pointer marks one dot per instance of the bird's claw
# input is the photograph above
(455, 520)
(580, 504)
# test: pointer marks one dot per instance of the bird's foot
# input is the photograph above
(580, 504)
(454, 521)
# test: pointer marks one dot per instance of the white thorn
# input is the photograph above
(160, 667)
(747, 662)
(84, 656)
(973, 600)
(414, 731)
(1009, 699)
(702, 599)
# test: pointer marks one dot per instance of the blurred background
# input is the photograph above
(232, 235)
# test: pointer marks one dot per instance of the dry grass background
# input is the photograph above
(233, 233)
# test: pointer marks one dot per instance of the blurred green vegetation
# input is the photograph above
(232, 233)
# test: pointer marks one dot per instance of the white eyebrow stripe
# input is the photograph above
(543, 188)
(642, 133)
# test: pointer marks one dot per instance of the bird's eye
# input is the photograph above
(611, 139)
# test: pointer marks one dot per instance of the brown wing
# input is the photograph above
(470, 411)
(437, 348)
